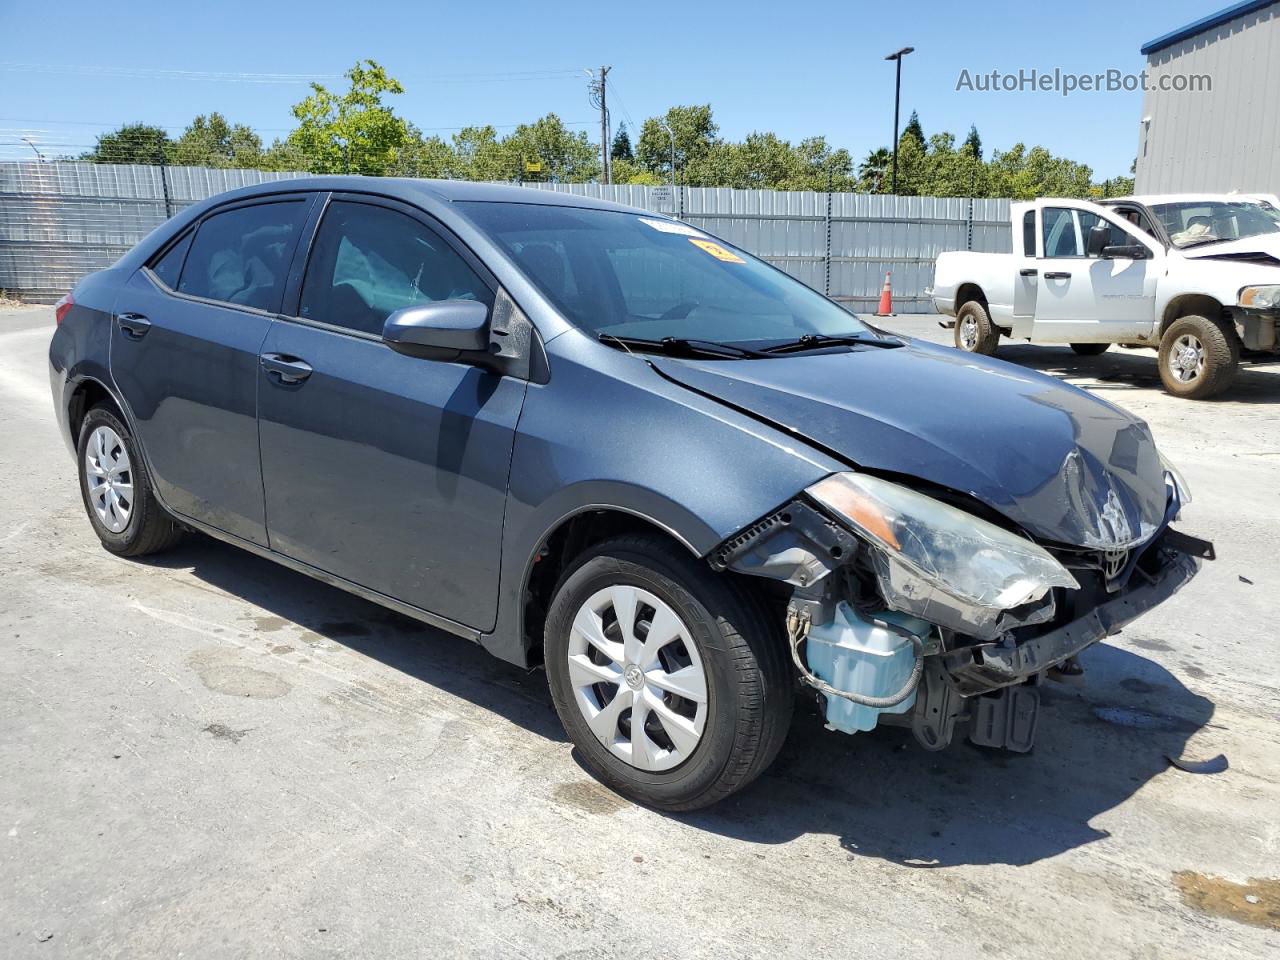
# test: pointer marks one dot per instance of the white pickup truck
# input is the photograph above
(1196, 277)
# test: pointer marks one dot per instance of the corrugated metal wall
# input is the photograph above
(59, 221)
(1224, 139)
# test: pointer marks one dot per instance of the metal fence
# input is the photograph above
(59, 221)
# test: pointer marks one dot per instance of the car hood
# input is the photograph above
(1062, 464)
(1266, 243)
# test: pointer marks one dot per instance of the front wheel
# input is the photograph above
(975, 333)
(1198, 357)
(670, 679)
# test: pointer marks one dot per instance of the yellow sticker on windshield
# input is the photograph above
(717, 251)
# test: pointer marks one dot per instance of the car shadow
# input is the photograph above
(1256, 382)
(447, 662)
(1100, 740)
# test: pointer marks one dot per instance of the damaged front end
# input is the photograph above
(909, 610)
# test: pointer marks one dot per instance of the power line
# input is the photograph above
(158, 73)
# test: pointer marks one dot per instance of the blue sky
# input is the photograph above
(797, 69)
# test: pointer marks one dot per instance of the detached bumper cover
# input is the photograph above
(989, 666)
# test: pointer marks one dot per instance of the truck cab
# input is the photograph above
(1195, 277)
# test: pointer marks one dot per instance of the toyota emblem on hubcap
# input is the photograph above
(634, 676)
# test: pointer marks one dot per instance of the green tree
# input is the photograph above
(913, 129)
(696, 137)
(973, 142)
(351, 132)
(212, 142)
(132, 143)
(565, 156)
(873, 172)
(620, 149)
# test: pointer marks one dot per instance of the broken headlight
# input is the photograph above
(1174, 477)
(937, 561)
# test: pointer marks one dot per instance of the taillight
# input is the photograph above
(61, 307)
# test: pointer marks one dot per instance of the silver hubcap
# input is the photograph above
(1186, 359)
(969, 333)
(637, 677)
(109, 479)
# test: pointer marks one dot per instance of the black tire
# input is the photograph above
(986, 334)
(1090, 349)
(1218, 346)
(148, 529)
(749, 684)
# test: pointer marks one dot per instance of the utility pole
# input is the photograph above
(598, 100)
(897, 97)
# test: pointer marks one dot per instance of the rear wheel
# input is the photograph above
(669, 679)
(1090, 349)
(975, 332)
(1198, 357)
(116, 491)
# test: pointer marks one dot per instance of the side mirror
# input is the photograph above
(439, 331)
(1099, 234)
(1124, 251)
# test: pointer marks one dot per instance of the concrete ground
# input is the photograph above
(204, 754)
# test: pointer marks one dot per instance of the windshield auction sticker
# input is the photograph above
(671, 226)
(717, 251)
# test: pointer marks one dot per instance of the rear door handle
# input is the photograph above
(1028, 272)
(287, 369)
(1057, 275)
(133, 325)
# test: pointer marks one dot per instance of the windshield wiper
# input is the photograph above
(682, 347)
(818, 341)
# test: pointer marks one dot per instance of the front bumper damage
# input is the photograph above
(986, 683)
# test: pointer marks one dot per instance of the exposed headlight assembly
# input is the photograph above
(1266, 297)
(938, 562)
(1174, 476)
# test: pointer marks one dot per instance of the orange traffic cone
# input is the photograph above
(886, 299)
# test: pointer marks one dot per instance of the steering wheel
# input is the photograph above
(680, 310)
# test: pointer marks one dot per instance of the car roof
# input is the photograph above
(449, 191)
(1183, 198)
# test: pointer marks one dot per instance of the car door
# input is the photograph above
(386, 470)
(187, 332)
(1083, 299)
(1026, 283)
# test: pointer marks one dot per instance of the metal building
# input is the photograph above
(1223, 138)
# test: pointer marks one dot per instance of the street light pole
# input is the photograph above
(32, 144)
(897, 99)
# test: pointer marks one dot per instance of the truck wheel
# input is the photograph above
(975, 333)
(671, 680)
(1198, 357)
(1090, 349)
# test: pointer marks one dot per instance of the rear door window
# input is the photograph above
(369, 261)
(241, 256)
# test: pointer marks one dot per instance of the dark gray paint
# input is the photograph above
(389, 471)
(430, 486)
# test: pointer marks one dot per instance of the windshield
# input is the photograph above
(1196, 222)
(627, 275)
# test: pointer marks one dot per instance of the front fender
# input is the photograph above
(608, 432)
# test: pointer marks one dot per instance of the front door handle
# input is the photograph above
(1057, 275)
(1028, 272)
(287, 369)
(133, 325)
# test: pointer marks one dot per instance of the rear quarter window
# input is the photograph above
(168, 266)
(241, 256)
